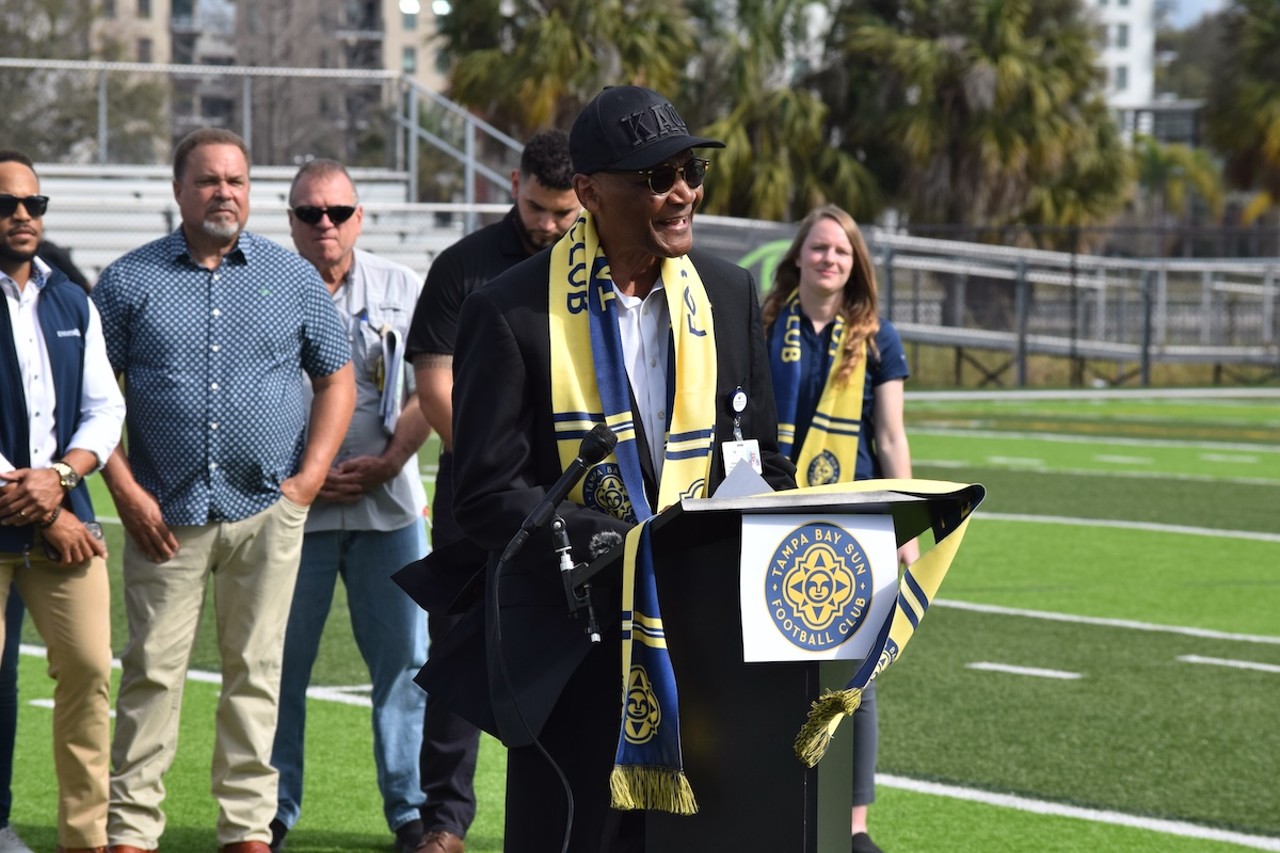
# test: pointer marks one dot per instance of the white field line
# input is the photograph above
(1128, 624)
(1026, 804)
(1234, 459)
(1124, 460)
(1068, 438)
(1151, 526)
(1099, 472)
(1234, 664)
(1036, 672)
(1017, 461)
(344, 695)
(1102, 394)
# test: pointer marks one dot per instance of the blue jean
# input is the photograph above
(866, 746)
(9, 698)
(391, 633)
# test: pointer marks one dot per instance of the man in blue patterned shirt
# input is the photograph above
(212, 328)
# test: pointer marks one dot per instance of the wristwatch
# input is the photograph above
(67, 475)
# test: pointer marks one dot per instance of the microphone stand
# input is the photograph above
(575, 599)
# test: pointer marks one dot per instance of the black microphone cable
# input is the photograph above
(596, 445)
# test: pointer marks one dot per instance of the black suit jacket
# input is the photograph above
(505, 458)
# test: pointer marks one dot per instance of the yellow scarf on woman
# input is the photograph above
(830, 450)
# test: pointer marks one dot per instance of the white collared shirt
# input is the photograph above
(645, 328)
(101, 405)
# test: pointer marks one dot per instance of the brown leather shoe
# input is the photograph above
(246, 847)
(441, 841)
(62, 849)
(128, 848)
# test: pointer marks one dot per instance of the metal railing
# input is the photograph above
(320, 104)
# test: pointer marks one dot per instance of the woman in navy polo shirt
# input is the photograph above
(838, 372)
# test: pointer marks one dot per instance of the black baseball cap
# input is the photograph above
(629, 127)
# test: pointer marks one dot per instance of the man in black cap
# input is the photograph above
(613, 325)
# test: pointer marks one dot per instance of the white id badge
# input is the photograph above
(742, 451)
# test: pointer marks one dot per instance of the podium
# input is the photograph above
(739, 720)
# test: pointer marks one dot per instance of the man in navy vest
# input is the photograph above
(60, 417)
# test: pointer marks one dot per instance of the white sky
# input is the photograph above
(1190, 11)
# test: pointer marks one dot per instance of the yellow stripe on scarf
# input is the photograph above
(830, 452)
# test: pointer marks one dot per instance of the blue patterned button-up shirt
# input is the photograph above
(213, 363)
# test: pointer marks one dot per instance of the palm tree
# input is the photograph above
(1242, 114)
(525, 65)
(779, 158)
(966, 109)
(1090, 187)
(1172, 174)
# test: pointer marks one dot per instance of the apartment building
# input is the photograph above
(284, 117)
(1127, 42)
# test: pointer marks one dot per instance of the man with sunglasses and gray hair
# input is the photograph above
(367, 519)
(614, 325)
(60, 417)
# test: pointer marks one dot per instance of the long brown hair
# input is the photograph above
(859, 307)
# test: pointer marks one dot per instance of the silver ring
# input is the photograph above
(22, 512)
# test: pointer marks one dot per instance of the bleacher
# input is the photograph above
(100, 213)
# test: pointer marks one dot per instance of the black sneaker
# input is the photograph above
(278, 832)
(862, 843)
(409, 836)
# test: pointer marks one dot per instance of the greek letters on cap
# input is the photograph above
(653, 122)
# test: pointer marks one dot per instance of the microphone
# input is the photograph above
(594, 448)
(603, 542)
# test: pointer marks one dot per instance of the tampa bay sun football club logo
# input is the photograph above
(818, 586)
(644, 714)
(603, 490)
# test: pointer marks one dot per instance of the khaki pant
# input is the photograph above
(254, 563)
(71, 608)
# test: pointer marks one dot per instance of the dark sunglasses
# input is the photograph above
(312, 215)
(36, 205)
(663, 178)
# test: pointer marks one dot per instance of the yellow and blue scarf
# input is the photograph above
(949, 508)
(648, 769)
(830, 451)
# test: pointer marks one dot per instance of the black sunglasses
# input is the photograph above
(663, 178)
(312, 215)
(36, 205)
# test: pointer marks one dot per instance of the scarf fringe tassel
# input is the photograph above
(825, 715)
(657, 788)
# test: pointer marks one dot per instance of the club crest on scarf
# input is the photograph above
(825, 468)
(643, 711)
(604, 491)
(818, 586)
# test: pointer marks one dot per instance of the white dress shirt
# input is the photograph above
(101, 404)
(645, 328)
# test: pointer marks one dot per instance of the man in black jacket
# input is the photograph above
(640, 184)
(545, 206)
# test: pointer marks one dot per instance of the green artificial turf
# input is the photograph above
(1140, 733)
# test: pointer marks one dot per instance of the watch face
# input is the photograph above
(67, 475)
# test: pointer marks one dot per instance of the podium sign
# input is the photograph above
(815, 588)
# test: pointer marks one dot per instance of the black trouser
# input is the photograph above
(581, 735)
(450, 744)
